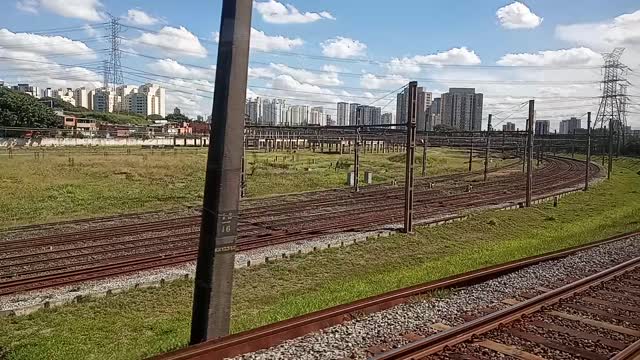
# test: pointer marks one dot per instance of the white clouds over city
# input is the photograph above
(275, 12)
(89, 10)
(343, 48)
(518, 16)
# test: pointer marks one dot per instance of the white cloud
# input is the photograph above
(565, 57)
(261, 73)
(44, 45)
(90, 31)
(343, 48)
(170, 67)
(177, 41)
(139, 17)
(276, 12)
(30, 6)
(371, 81)
(623, 30)
(90, 10)
(263, 42)
(518, 16)
(413, 65)
(327, 78)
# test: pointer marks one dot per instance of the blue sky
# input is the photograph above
(446, 44)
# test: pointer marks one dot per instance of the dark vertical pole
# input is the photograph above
(356, 162)
(424, 150)
(243, 177)
(471, 154)
(573, 145)
(610, 165)
(486, 154)
(588, 160)
(503, 138)
(218, 231)
(524, 149)
(530, 151)
(411, 152)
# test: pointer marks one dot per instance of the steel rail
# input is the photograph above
(277, 333)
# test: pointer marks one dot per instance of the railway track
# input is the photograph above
(577, 304)
(606, 303)
(67, 258)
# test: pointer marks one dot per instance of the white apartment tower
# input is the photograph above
(343, 114)
(81, 97)
(149, 100)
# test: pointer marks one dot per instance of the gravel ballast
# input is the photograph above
(352, 339)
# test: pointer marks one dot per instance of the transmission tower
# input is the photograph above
(610, 110)
(114, 68)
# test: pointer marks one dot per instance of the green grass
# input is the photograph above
(144, 322)
(64, 184)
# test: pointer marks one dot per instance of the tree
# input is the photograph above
(22, 110)
(61, 104)
(155, 117)
(177, 117)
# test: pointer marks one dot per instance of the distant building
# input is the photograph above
(298, 115)
(67, 95)
(509, 126)
(48, 92)
(274, 111)
(81, 97)
(103, 100)
(433, 117)
(316, 116)
(28, 89)
(342, 115)
(149, 100)
(387, 118)
(542, 127)
(570, 125)
(424, 100)
(123, 98)
(461, 108)
(368, 115)
(353, 113)
(329, 121)
(177, 111)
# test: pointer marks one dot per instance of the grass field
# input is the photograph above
(143, 322)
(64, 184)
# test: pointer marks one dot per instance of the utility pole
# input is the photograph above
(610, 165)
(425, 140)
(573, 145)
(356, 162)
(218, 231)
(588, 160)
(411, 152)
(243, 177)
(471, 154)
(530, 151)
(486, 155)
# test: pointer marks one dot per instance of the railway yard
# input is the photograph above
(327, 274)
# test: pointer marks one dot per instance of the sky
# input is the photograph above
(321, 52)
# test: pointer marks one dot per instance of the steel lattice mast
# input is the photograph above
(610, 110)
(114, 69)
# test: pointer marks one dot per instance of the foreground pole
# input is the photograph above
(486, 154)
(356, 162)
(218, 232)
(424, 150)
(530, 151)
(588, 160)
(411, 153)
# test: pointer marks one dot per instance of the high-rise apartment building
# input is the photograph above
(316, 116)
(353, 113)
(274, 112)
(149, 100)
(123, 97)
(81, 97)
(461, 108)
(423, 99)
(509, 126)
(368, 115)
(570, 125)
(342, 115)
(103, 100)
(28, 89)
(542, 127)
(387, 118)
(298, 115)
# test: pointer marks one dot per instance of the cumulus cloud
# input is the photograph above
(177, 41)
(623, 30)
(518, 16)
(564, 57)
(263, 42)
(276, 12)
(371, 81)
(30, 6)
(90, 10)
(170, 67)
(413, 65)
(327, 78)
(343, 48)
(139, 17)
(44, 45)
